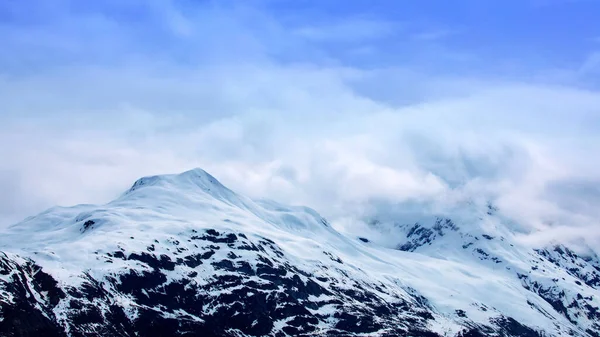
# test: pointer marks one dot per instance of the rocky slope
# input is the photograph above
(182, 255)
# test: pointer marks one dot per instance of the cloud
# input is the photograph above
(345, 151)
(591, 65)
(350, 141)
(348, 30)
(435, 34)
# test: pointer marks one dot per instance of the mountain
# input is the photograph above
(182, 255)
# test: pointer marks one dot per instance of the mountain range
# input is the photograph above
(183, 255)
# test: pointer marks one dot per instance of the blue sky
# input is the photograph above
(515, 38)
(351, 107)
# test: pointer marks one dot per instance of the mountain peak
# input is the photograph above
(196, 177)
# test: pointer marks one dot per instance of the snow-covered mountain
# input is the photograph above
(182, 255)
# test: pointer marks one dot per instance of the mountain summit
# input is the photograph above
(182, 255)
(192, 179)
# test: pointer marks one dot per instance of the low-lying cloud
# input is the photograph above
(345, 140)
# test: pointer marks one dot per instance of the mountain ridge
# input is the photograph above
(197, 259)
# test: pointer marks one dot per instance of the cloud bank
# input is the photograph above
(265, 104)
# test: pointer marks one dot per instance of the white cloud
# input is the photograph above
(591, 65)
(344, 140)
(433, 35)
(348, 30)
(318, 143)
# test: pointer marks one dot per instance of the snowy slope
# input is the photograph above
(182, 255)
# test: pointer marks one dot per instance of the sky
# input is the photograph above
(355, 108)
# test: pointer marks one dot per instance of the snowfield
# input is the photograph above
(182, 255)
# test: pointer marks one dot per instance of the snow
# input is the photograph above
(157, 210)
